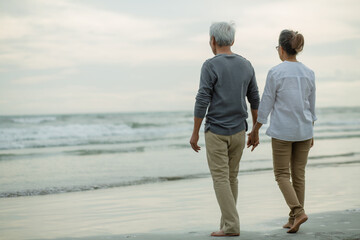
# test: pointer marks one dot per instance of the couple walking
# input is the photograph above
(289, 95)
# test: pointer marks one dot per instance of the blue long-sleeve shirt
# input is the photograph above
(224, 83)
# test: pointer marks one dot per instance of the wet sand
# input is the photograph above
(323, 226)
(187, 209)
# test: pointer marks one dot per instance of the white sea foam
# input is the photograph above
(92, 129)
(33, 119)
(79, 134)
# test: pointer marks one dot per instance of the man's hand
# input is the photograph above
(249, 140)
(253, 139)
(195, 135)
(193, 142)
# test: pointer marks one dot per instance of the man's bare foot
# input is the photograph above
(288, 225)
(298, 221)
(222, 234)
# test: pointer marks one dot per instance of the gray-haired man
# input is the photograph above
(225, 81)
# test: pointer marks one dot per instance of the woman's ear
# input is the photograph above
(281, 53)
(282, 50)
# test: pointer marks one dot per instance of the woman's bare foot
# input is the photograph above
(288, 225)
(222, 234)
(298, 221)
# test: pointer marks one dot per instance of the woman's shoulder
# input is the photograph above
(276, 70)
(306, 68)
(286, 68)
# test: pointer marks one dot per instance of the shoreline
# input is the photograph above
(187, 209)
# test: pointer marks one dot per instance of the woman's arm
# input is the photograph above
(268, 99)
(266, 106)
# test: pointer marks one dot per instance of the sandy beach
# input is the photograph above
(330, 225)
(187, 209)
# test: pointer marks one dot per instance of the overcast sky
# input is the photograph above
(94, 56)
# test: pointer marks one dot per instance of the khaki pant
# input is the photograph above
(290, 159)
(224, 154)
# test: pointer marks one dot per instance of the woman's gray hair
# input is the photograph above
(223, 32)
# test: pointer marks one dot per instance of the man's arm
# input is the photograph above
(254, 100)
(203, 98)
(254, 114)
(254, 118)
(195, 135)
(253, 96)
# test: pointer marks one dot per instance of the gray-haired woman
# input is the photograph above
(289, 96)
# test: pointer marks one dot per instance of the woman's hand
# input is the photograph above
(312, 143)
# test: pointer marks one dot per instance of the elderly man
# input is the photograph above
(226, 79)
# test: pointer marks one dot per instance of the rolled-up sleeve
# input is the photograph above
(253, 93)
(204, 95)
(267, 100)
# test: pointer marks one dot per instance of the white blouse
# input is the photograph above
(289, 95)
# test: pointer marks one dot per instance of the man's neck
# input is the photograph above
(223, 50)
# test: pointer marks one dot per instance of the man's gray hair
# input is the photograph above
(223, 32)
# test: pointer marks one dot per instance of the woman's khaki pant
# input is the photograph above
(289, 159)
(224, 154)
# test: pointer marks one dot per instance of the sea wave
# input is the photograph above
(350, 154)
(137, 149)
(90, 134)
(56, 190)
(42, 131)
(112, 139)
(86, 152)
(84, 142)
(33, 119)
(78, 152)
(149, 180)
(144, 125)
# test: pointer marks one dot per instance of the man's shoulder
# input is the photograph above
(221, 57)
(242, 58)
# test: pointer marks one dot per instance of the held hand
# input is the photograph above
(253, 140)
(249, 140)
(193, 142)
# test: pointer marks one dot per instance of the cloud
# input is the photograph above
(37, 79)
(107, 55)
(64, 34)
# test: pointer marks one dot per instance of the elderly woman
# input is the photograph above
(289, 96)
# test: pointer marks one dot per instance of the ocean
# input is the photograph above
(54, 154)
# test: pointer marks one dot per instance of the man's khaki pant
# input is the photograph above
(224, 154)
(291, 155)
